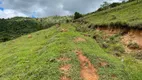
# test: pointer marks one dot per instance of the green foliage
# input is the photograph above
(82, 28)
(107, 5)
(77, 15)
(12, 28)
(18, 26)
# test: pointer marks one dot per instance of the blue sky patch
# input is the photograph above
(1, 9)
(0, 2)
(34, 15)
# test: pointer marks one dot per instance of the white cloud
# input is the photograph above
(111, 1)
(8, 13)
(44, 8)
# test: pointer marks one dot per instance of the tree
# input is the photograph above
(134, 0)
(77, 15)
(105, 4)
(114, 4)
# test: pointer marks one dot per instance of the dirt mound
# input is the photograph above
(88, 72)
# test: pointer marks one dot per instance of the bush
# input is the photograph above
(113, 17)
(82, 28)
(4, 39)
(138, 55)
(114, 39)
(119, 24)
(114, 5)
(118, 48)
(133, 45)
(107, 5)
(77, 15)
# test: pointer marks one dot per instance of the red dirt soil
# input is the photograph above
(109, 31)
(88, 72)
(132, 35)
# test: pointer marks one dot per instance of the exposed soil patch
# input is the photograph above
(102, 63)
(130, 35)
(64, 59)
(113, 76)
(65, 78)
(79, 39)
(65, 68)
(63, 30)
(88, 72)
(109, 31)
(29, 36)
(134, 36)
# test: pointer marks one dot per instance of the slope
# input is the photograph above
(127, 14)
(41, 56)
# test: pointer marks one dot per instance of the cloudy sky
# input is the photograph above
(44, 8)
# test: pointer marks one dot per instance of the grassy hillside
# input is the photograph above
(17, 26)
(128, 14)
(37, 57)
(37, 49)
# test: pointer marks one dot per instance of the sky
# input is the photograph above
(45, 8)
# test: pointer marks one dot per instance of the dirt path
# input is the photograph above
(88, 72)
(65, 68)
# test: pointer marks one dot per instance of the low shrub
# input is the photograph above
(82, 28)
(119, 24)
(138, 55)
(133, 45)
(118, 48)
